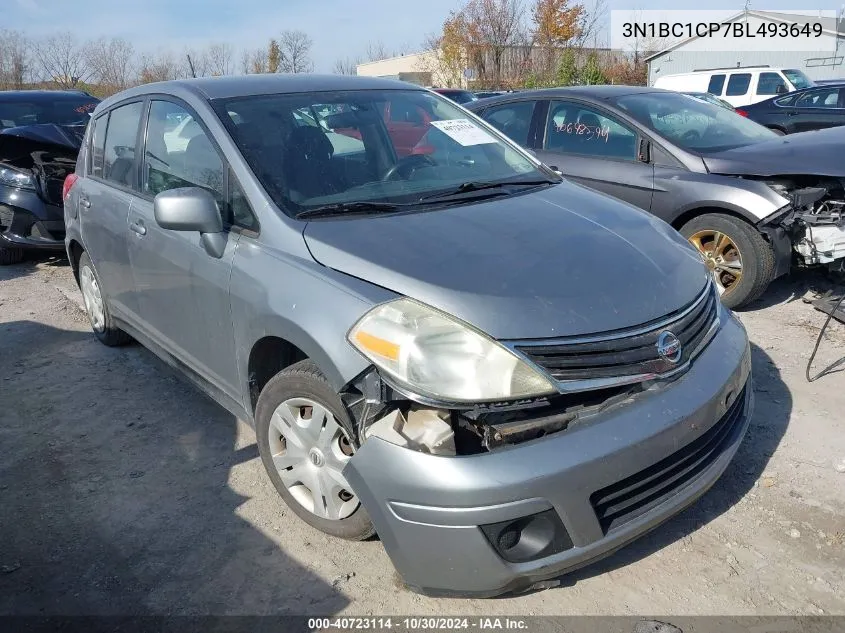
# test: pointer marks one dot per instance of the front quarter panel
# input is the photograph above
(274, 293)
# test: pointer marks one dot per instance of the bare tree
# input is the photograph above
(14, 59)
(245, 65)
(63, 59)
(494, 26)
(112, 63)
(259, 61)
(377, 50)
(295, 48)
(220, 59)
(347, 66)
(160, 67)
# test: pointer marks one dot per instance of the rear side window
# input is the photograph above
(98, 144)
(769, 83)
(823, 98)
(738, 84)
(121, 138)
(512, 120)
(717, 82)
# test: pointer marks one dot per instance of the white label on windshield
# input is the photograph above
(464, 131)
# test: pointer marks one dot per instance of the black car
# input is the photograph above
(40, 135)
(458, 96)
(800, 111)
(747, 199)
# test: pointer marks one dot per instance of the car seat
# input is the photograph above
(307, 164)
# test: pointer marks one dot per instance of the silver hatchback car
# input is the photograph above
(436, 338)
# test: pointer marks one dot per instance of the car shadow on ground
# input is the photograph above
(117, 494)
(773, 408)
(30, 262)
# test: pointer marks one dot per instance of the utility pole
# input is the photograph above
(191, 66)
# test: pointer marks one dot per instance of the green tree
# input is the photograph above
(567, 69)
(592, 73)
(274, 57)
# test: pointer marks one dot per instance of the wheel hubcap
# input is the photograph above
(722, 256)
(309, 450)
(92, 298)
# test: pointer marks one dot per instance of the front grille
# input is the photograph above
(629, 352)
(633, 496)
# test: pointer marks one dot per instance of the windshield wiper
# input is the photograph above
(348, 208)
(473, 186)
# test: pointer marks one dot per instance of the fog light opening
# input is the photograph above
(528, 538)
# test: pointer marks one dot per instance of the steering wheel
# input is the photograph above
(408, 164)
(691, 135)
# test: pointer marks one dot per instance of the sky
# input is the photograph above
(338, 28)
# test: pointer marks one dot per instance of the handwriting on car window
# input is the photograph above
(589, 132)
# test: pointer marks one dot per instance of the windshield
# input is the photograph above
(692, 124)
(64, 111)
(798, 79)
(395, 146)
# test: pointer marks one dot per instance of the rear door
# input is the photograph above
(595, 148)
(516, 120)
(183, 292)
(105, 197)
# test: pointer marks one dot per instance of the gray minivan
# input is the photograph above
(436, 338)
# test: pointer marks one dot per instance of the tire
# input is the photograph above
(9, 256)
(778, 131)
(99, 316)
(756, 257)
(298, 384)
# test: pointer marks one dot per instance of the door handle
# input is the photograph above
(138, 227)
(84, 202)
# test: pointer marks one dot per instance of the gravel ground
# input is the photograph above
(126, 491)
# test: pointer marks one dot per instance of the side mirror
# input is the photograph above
(192, 209)
(644, 151)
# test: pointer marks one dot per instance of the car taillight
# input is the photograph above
(70, 181)
(741, 112)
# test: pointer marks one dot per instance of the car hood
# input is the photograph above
(48, 150)
(562, 261)
(816, 153)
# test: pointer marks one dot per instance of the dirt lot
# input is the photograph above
(126, 491)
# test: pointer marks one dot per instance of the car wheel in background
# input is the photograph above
(741, 260)
(10, 256)
(777, 131)
(97, 307)
(305, 438)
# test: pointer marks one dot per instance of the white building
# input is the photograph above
(823, 58)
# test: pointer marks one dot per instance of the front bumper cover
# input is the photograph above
(427, 509)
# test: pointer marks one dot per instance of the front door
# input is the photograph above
(597, 150)
(183, 292)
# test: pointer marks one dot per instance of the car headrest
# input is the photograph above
(589, 119)
(309, 143)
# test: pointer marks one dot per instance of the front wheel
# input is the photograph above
(742, 262)
(305, 439)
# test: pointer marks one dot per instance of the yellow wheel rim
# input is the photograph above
(722, 256)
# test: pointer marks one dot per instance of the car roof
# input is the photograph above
(29, 95)
(251, 85)
(606, 92)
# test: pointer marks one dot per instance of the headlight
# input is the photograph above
(440, 357)
(14, 178)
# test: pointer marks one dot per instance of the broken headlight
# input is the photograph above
(14, 178)
(440, 357)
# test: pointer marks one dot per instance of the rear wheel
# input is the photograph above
(10, 256)
(95, 305)
(305, 439)
(742, 262)
(777, 131)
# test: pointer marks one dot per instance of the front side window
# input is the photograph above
(121, 138)
(573, 128)
(823, 98)
(717, 82)
(358, 153)
(692, 124)
(512, 119)
(181, 157)
(738, 84)
(770, 84)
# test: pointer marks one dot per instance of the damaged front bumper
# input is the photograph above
(511, 518)
(26, 221)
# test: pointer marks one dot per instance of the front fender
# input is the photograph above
(302, 302)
